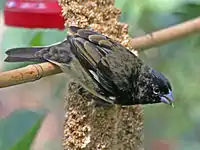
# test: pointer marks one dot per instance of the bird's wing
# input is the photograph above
(107, 61)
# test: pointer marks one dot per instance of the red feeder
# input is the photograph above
(33, 14)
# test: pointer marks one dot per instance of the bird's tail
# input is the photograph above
(23, 54)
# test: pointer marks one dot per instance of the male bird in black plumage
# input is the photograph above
(102, 66)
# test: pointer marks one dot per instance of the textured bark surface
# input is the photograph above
(86, 126)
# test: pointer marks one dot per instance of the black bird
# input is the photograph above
(102, 66)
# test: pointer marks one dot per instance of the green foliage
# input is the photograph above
(36, 40)
(19, 129)
(26, 141)
(187, 11)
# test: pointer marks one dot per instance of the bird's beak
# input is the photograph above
(167, 99)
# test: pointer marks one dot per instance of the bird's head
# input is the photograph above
(154, 87)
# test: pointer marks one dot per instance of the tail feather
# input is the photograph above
(23, 54)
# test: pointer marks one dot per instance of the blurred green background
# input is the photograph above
(178, 60)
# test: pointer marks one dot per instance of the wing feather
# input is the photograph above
(108, 62)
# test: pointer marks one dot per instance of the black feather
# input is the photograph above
(23, 54)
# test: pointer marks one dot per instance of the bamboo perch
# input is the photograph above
(29, 73)
(35, 72)
(165, 35)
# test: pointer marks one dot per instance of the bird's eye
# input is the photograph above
(156, 91)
